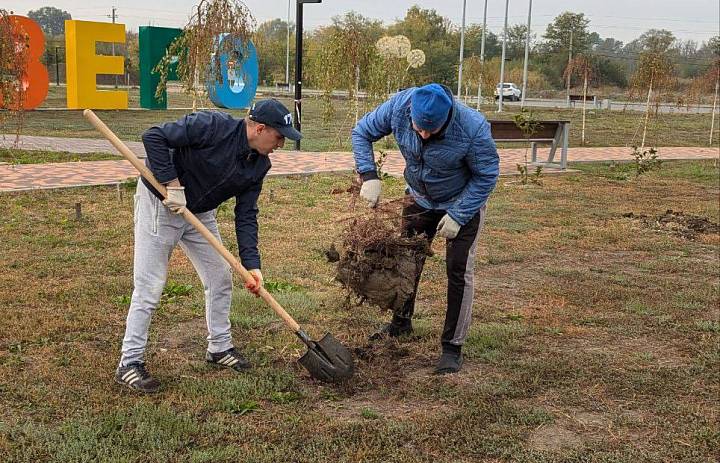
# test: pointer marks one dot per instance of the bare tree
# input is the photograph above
(198, 48)
(655, 72)
(710, 79)
(14, 55)
(581, 66)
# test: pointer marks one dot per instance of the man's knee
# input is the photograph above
(219, 279)
(457, 265)
(147, 292)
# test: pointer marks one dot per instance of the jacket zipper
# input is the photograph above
(422, 165)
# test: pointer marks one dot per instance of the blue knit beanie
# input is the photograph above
(429, 107)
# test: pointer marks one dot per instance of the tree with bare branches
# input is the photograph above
(14, 55)
(581, 66)
(199, 48)
(343, 51)
(709, 80)
(655, 72)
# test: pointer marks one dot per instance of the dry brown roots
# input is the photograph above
(377, 263)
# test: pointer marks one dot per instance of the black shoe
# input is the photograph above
(448, 363)
(392, 330)
(229, 359)
(137, 378)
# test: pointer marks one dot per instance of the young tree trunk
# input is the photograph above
(712, 118)
(480, 81)
(357, 90)
(582, 142)
(195, 83)
(647, 114)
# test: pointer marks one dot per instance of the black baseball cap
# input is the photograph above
(274, 114)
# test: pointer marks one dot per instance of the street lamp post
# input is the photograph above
(298, 63)
(527, 50)
(482, 57)
(462, 49)
(567, 87)
(113, 16)
(57, 68)
(287, 50)
(502, 62)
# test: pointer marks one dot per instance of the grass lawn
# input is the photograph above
(604, 128)
(595, 337)
(17, 156)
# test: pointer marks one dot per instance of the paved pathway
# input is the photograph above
(72, 145)
(70, 174)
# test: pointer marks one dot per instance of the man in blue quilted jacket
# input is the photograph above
(451, 168)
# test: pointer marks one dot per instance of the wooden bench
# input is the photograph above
(555, 133)
(574, 98)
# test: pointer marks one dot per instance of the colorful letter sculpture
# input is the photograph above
(239, 69)
(235, 90)
(34, 82)
(154, 42)
(83, 65)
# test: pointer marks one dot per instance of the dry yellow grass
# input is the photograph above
(594, 337)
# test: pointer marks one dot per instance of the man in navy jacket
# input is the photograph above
(451, 167)
(204, 159)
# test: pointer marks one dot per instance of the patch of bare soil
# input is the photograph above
(387, 363)
(577, 427)
(188, 336)
(591, 420)
(386, 373)
(677, 223)
(371, 405)
(554, 437)
(627, 349)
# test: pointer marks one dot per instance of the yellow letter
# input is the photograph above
(83, 65)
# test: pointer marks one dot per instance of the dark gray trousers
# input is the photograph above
(460, 266)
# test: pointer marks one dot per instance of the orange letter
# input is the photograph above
(35, 80)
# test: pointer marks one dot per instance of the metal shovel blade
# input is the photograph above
(328, 360)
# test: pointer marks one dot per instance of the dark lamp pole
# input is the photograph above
(298, 62)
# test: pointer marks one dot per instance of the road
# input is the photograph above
(538, 102)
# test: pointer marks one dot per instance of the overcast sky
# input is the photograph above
(624, 20)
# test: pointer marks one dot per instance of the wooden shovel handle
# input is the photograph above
(190, 217)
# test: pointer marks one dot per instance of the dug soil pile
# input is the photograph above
(378, 264)
(679, 224)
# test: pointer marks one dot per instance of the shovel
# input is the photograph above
(327, 359)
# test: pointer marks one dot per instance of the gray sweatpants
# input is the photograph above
(157, 232)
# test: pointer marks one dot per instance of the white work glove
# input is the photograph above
(175, 200)
(447, 228)
(255, 288)
(370, 191)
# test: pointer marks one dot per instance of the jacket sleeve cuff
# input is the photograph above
(457, 218)
(250, 264)
(166, 176)
(369, 175)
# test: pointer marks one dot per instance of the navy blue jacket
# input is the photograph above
(209, 153)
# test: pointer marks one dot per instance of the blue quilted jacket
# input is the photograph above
(455, 170)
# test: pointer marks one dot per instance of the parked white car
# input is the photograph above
(510, 92)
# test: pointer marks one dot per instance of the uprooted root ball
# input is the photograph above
(378, 264)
